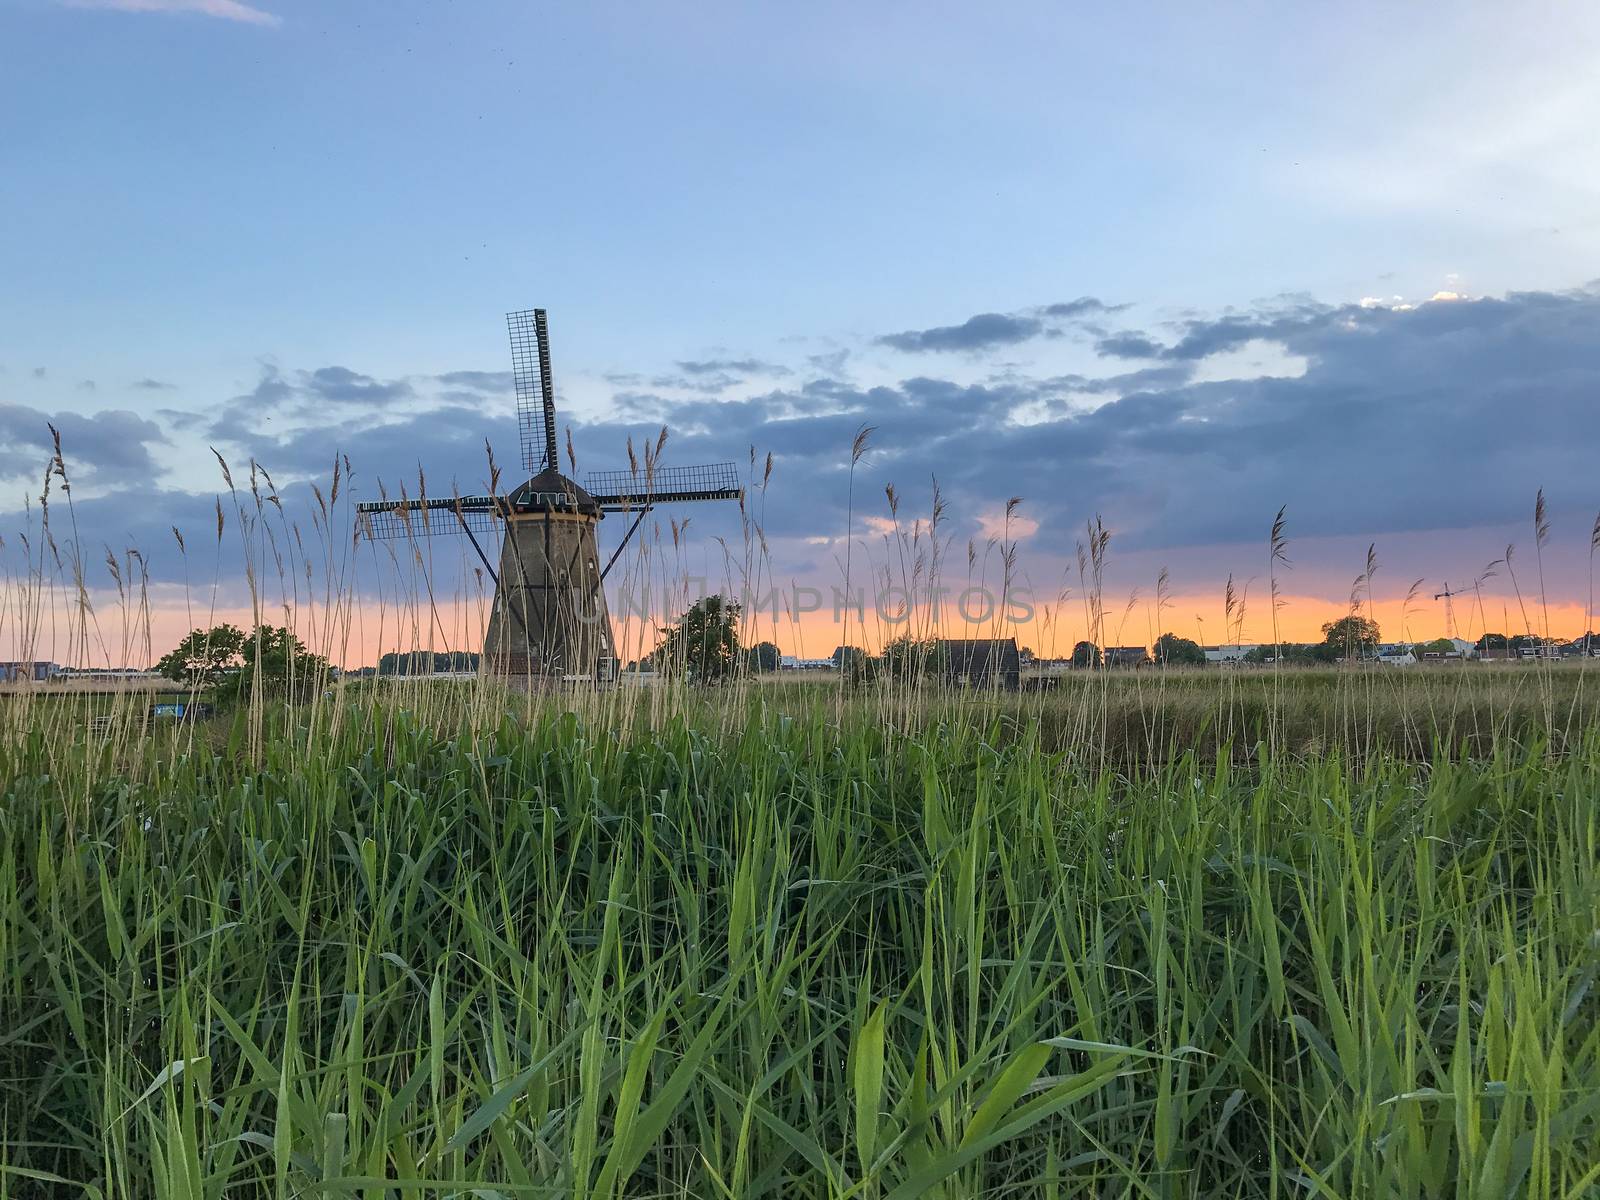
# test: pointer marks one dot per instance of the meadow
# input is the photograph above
(1325, 933)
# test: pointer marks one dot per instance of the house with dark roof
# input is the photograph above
(980, 662)
(1127, 656)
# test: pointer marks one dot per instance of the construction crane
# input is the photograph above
(1449, 609)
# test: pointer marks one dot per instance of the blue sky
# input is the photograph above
(216, 197)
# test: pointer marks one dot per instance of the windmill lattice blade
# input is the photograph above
(536, 400)
(391, 519)
(665, 485)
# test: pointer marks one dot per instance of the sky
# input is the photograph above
(1175, 268)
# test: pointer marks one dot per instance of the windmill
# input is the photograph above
(1449, 609)
(549, 618)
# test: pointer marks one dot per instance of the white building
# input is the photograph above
(1228, 654)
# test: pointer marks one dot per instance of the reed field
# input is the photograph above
(414, 939)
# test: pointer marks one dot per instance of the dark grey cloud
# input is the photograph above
(153, 385)
(988, 330)
(112, 445)
(1478, 392)
(86, 385)
(1140, 381)
(344, 386)
(1298, 321)
(1083, 306)
(38, 372)
(975, 333)
(1127, 345)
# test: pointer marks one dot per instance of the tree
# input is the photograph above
(845, 657)
(233, 661)
(1499, 641)
(1086, 654)
(764, 656)
(427, 662)
(1437, 646)
(908, 658)
(1175, 651)
(1351, 637)
(204, 657)
(1294, 652)
(277, 661)
(704, 644)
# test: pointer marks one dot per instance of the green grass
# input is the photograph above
(771, 945)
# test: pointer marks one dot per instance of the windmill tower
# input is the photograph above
(549, 619)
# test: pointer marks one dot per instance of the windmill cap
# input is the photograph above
(551, 491)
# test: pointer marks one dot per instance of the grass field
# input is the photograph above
(772, 942)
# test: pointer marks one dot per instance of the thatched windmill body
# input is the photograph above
(549, 619)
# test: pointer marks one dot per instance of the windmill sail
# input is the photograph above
(536, 393)
(614, 490)
(381, 519)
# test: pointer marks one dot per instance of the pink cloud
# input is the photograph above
(994, 525)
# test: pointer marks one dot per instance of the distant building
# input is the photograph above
(1396, 656)
(980, 662)
(790, 662)
(1050, 666)
(1228, 654)
(1127, 656)
(25, 671)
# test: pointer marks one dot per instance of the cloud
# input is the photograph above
(181, 419)
(1484, 394)
(112, 444)
(831, 362)
(1127, 345)
(479, 381)
(153, 385)
(975, 333)
(305, 396)
(995, 524)
(226, 10)
(1083, 306)
(987, 330)
(344, 386)
(731, 366)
